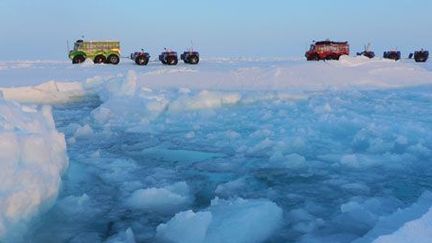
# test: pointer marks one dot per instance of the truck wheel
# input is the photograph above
(99, 59)
(113, 59)
(315, 58)
(141, 60)
(78, 59)
(172, 61)
(193, 60)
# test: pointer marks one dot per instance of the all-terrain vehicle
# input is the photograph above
(367, 52)
(420, 56)
(98, 51)
(327, 50)
(168, 57)
(190, 57)
(393, 55)
(140, 57)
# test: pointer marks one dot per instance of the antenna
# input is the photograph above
(67, 46)
(368, 47)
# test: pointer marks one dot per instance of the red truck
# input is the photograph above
(327, 50)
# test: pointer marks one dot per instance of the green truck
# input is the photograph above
(98, 51)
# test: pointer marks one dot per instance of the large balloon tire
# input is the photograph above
(113, 59)
(171, 61)
(99, 59)
(78, 59)
(141, 60)
(194, 59)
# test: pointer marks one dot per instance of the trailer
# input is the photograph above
(140, 57)
(168, 57)
(367, 52)
(98, 51)
(392, 55)
(421, 56)
(190, 57)
(327, 50)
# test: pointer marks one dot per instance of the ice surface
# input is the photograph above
(185, 226)
(122, 237)
(46, 93)
(32, 159)
(410, 224)
(319, 152)
(163, 200)
(224, 221)
(419, 230)
(290, 78)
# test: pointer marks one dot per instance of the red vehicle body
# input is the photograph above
(327, 50)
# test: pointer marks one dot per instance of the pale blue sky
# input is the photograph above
(38, 29)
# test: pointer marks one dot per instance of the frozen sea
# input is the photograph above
(256, 157)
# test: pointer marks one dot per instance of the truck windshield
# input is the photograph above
(77, 45)
(312, 47)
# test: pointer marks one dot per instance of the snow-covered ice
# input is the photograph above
(232, 150)
(33, 158)
(224, 221)
(164, 200)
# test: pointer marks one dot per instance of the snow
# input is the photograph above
(236, 220)
(33, 157)
(45, 93)
(291, 76)
(231, 150)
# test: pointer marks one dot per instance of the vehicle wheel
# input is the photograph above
(141, 60)
(99, 59)
(78, 59)
(193, 60)
(113, 59)
(172, 61)
(315, 58)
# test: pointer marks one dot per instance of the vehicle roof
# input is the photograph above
(327, 42)
(98, 41)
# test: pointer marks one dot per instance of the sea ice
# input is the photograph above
(236, 220)
(32, 160)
